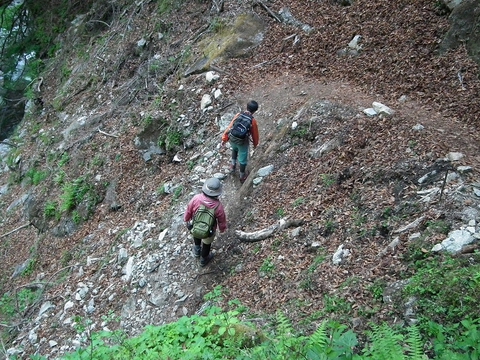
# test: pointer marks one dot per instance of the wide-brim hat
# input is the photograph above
(212, 187)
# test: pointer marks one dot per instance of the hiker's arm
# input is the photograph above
(254, 133)
(188, 216)
(221, 219)
(227, 130)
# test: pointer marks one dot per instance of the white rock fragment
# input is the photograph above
(206, 101)
(381, 109)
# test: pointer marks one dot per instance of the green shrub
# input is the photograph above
(447, 289)
(36, 176)
(12, 304)
(75, 192)
(51, 209)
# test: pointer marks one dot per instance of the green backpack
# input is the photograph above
(203, 222)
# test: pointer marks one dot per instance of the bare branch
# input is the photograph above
(265, 233)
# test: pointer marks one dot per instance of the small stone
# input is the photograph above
(370, 112)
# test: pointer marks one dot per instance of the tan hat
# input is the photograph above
(212, 187)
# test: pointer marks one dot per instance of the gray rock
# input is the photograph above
(340, 255)
(381, 109)
(370, 112)
(464, 169)
(265, 171)
(257, 181)
(455, 241)
(454, 156)
(205, 102)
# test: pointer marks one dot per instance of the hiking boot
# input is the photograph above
(243, 177)
(205, 261)
(196, 250)
(232, 168)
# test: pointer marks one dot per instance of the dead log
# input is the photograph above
(270, 12)
(265, 233)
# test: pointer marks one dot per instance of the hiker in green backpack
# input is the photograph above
(242, 130)
(205, 202)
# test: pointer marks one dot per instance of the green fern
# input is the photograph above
(317, 346)
(320, 337)
(385, 344)
(284, 325)
(414, 344)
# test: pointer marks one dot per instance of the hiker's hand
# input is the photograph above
(189, 225)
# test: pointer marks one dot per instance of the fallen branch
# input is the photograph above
(410, 226)
(104, 133)
(270, 12)
(14, 230)
(265, 233)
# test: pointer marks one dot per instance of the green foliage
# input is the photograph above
(280, 212)
(460, 341)
(161, 190)
(59, 177)
(51, 210)
(216, 294)
(222, 335)
(147, 121)
(17, 303)
(386, 344)
(30, 267)
(66, 258)
(217, 25)
(36, 176)
(64, 159)
(77, 191)
(177, 193)
(299, 201)
(98, 160)
(166, 6)
(447, 289)
(329, 227)
(377, 289)
(173, 139)
(438, 227)
(328, 180)
(190, 165)
(268, 267)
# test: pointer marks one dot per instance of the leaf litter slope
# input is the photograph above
(374, 169)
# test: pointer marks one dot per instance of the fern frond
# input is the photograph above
(320, 337)
(284, 325)
(386, 343)
(414, 344)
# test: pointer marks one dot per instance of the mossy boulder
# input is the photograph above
(231, 41)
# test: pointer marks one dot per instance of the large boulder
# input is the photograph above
(465, 29)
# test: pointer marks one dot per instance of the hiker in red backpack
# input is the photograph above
(211, 190)
(242, 129)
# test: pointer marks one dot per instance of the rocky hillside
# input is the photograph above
(94, 182)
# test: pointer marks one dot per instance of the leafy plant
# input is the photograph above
(173, 139)
(11, 304)
(268, 267)
(77, 191)
(327, 180)
(51, 209)
(177, 193)
(437, 284)
(329, 227)
(64, 159)
(59, 177)
(36, 176)
(281, 212)
(299, 201)
(217, 25)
